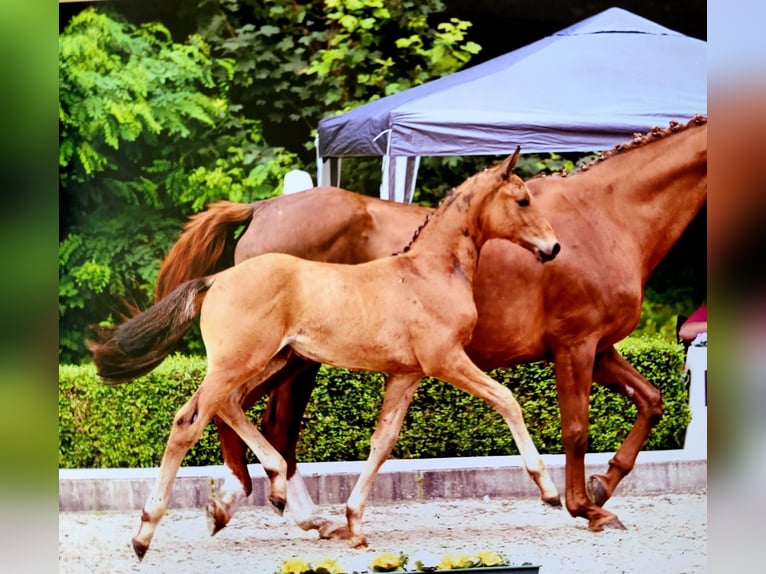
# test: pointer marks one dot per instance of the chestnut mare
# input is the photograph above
(616, 218)
(409, 315)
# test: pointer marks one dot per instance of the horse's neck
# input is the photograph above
(652, 192)
(450, 240)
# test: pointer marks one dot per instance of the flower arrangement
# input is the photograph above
(299, 566)
(392, 562)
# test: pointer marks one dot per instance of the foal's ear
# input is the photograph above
(510, 163)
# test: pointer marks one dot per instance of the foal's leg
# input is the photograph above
(396, 401)
(273, 463)
(281, 425)
(574, 370)
(612, 370)
(291, 389)
(188, 425)
(458, 370)
(238, 484)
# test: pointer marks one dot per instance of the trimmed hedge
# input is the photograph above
(128, 425)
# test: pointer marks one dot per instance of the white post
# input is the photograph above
(326, 167)
(696, 432)
(385, 187)
(398, 178)
(328, 171)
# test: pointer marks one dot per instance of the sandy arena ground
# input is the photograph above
(667, 534)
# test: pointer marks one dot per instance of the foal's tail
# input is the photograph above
(141, 343)
(206, 245)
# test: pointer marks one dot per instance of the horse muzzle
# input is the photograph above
(548, 255)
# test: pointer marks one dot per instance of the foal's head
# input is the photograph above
(508, 212)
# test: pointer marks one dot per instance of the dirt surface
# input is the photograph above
(666, 534)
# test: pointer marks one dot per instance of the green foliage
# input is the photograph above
(297, 62)
(128, 425)
(147, 135)
(665, 299)
(123, 426)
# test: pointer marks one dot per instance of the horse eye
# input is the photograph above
(524, 202)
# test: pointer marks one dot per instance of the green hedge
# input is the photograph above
(127, 425)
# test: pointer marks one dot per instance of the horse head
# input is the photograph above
(509, 213)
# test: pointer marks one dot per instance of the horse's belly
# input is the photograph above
(492, 352)
(356, 354)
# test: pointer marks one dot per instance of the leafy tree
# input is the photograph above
(147, 134)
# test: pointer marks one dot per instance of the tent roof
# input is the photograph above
(589, 86)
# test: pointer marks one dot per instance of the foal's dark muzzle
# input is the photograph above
(549, 256)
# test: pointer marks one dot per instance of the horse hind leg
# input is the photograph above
(237, 483)
(396, 401)
(273, 463)
(281, 423)
(615, 372)
(291, 389)
(307, 515)
(188, 424)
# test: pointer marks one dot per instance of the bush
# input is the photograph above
(128, 425)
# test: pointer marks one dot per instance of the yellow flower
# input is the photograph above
(295, 566)
(490, 558)
(455, 561)
(328, 566)
(388, 562)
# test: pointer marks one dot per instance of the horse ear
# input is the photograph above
(511, 163)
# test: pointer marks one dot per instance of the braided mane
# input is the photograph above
(638, 140)
(445, 201)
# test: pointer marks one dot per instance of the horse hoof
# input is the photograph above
(278, 504)
(554, 501)
(596, 490)
(358, 542)
(612, 523)
(140, 549)
(217, 516)
(334, 531)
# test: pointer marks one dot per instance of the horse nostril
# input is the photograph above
(550, 255)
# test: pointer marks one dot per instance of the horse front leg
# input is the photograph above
(574, 371)
(458, 370)
(615, 372)
(400, 389)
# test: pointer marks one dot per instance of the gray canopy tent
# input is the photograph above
(587, 87)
